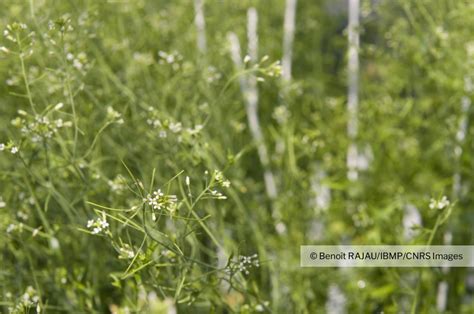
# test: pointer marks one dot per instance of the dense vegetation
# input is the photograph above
(134, 180)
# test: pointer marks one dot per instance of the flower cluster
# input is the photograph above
(273, 70)
(39, 127)
(118, 184)
(126, 252)
(159, 201)
(62, 24)
(16, 33)
(13, 227)
(172, 58)
(168, 126)
(164, 126)
(9, 146)
(212, 74)
(220, 179)
(244, 264)
(217, 195)
(29, 299)
(13, 28)
(281, 114)
(99, 225)
(22, 215)
(79, 61)
(114, 116)
(439, 204)
(143, 58)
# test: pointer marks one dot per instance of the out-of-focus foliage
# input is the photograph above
(130, 182)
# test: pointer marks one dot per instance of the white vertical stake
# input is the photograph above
(443, 287)
(353, 88)
(252, 105)
(248, 86)
(200, 23)
(288, 38)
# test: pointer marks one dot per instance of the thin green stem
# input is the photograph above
(414, 305)
(23, 72)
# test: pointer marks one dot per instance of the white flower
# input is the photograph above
(162, 54)
(10, 228)
(14, 150)
(187, 181)
(246, 263)
(118, 184)
(218, 175)
(58, 106)
(280, 228)
(226, 183)
(175, 127)
(439, 204)
(98, 225)
(220, 179)
(444, 202)
(103, 223)
(154, 199)
(2, 202)
(157, 200)
(126, 252)
(54, 243)
(218, 195)
(170, 59)
(77, 64)
(112, 114)
(22, 215)
(281, 114)
(2, 147)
